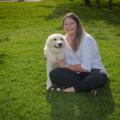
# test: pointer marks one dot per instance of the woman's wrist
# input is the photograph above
(75, 67)
(66, 65)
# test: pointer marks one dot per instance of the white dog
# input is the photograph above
(53, 51)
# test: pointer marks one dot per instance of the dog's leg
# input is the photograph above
(49, 68)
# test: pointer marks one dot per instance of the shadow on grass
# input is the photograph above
(4, 39)
(2, 58)
(88, 14)
(82, 106)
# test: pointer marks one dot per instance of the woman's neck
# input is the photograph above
(70, 37)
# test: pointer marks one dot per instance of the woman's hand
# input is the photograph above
(77, 68)
(61, 63)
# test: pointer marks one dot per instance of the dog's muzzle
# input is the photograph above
(58, 45)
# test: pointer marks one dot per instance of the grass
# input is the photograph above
(24, 28)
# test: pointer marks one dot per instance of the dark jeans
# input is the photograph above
(85, 81)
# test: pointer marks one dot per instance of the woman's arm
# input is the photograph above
(76, 67)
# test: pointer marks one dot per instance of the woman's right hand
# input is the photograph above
(61, 63)
(77, 68)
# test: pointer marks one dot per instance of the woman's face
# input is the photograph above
(70, 26)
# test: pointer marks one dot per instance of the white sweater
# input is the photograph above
(87, 54)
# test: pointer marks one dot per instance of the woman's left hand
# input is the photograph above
(61, 63)
(77, 68)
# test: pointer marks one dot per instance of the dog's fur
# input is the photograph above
(53, 51)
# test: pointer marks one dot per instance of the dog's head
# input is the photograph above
(56, 41)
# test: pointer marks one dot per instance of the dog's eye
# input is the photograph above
(54, 39)
(61, 38)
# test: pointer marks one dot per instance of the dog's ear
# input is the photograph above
(45, 57)
(45, 47)
(49, 36)
(47, 41)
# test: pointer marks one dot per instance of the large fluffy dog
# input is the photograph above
(53, 51)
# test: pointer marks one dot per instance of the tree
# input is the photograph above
(110, 4)
(98, 2)
(87, 2)
(20, 0)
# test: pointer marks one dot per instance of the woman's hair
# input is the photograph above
(79, 32)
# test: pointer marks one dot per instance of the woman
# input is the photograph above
(82, 69)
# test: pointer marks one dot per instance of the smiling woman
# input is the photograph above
(84, 70)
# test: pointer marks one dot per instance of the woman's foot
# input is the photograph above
(69, 90)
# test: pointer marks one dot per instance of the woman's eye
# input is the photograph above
(65, 24)
(72, 23)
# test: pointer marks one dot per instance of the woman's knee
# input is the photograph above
(54, 74)
(102, 78)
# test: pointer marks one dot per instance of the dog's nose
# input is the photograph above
(60, 44)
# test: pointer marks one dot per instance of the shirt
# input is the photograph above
(87, 54)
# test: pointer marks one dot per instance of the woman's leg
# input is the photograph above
(80, 82)
(65, 78)
(94, 80)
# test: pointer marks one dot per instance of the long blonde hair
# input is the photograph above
(80, 30)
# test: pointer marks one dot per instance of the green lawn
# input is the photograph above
(24, 28)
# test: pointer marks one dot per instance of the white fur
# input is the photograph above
(53, 52)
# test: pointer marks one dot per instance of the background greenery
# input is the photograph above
(24, 28)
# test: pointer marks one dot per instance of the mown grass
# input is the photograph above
(24, 28)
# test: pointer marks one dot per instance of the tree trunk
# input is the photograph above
(110, 4)
(98, 2)
(87, 2)
(20, 0)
